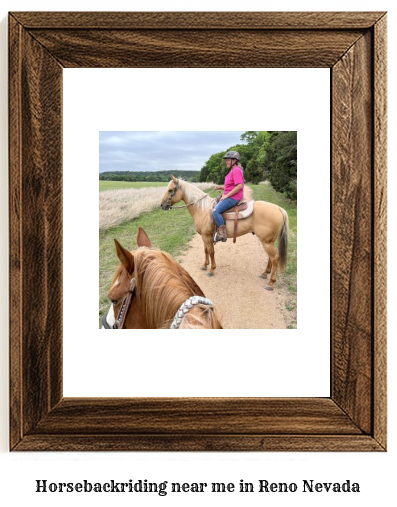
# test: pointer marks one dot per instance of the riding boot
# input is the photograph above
(221, 234)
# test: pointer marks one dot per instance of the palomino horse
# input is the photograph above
(151, 290)
(268, 221)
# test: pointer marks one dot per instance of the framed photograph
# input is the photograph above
(353, 47)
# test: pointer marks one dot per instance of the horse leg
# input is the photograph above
(272, 264)
(206, 260)
(209, 247)
(267, 270)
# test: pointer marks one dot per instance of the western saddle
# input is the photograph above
(243, 209)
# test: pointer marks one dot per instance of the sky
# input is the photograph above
(158, 151)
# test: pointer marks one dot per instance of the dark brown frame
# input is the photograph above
(353, 46)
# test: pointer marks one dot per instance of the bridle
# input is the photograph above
(125, 306)
(172, 193)
(185, 307)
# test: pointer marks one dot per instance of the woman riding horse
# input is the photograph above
(267, 221)
(233, 193)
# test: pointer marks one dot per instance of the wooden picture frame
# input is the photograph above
(353, 46)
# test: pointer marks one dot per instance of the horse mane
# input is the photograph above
(194, 194)
(162, 285)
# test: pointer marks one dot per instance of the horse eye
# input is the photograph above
(113, 301)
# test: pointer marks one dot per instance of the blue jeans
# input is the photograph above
(221, 207)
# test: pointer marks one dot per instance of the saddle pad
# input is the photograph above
(241, 214)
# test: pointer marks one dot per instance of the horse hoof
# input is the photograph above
(263, 277)
(203, 268)
(268, 287)
(210, 274)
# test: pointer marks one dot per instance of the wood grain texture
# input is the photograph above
(352, 237)
(204, 416)
(353, 45)
(15, 229)
(199, 443)
(36, 230)
(202, 20)
(196, 48)
(380, 229)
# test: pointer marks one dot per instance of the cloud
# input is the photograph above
(161, 150)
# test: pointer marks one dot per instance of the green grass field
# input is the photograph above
(116, 185)
(172, 230)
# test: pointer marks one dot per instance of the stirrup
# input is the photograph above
(216, 239)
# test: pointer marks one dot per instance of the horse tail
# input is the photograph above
(283, 241)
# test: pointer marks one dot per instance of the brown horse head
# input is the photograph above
(161, 285)
(125, 271)
(173, 194)
(122, 279)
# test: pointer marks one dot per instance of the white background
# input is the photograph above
(18, 472)
(239, 363)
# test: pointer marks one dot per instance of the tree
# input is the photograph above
(264, 155)
(281, 162)
(212, 171)
(249, 136)
(253, 171)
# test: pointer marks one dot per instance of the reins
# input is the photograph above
(193, 202)
(186, 307)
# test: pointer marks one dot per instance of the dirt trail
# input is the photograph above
(236, 288)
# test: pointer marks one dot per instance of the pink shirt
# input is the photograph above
(233, 178)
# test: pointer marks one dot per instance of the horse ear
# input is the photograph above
(125, 257)
(175, 180)
(142, 238)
